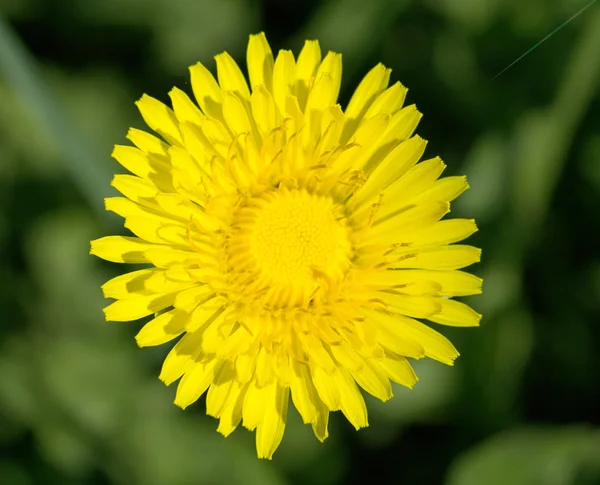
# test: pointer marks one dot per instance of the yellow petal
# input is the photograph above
(312, 130)
(206, 91)
(260, 62)
(178, 279)
(374, 381)
(134, 308)
(217, 136)
(158, 230)
(194, 143)
(164, 328)
(318, 354)
(218, 394)
(393, 166)
(264, 110)
(412, 306)
(140, 163)
(135, 188)
(328, 391)
(448, 283)
(204, 316)
(346, 355)
(254, 407)
(284, 74)
(447, 189)
(366, 143)
(322, 95)
(332, 125)
(150, 281)
(269, 432)
(126, 207)
(128, 285)
(370, 131)
(184, 107)
(331, 67)
(293, 112)
(456, 314)
(263, 373)
(122, 249)
(390, 101)
(304, 394)
(237, 343)
(391, 336)
(186, 166)
(235, 114)
(155, 225)
(369, 88)
(147, 143)
(231, 413)
(320, 425)
(216, 333)
(398, 369)
(195, 381)
(181, 357)
(392, 230)
(441, 233)
(434, 344)
(367, 91)
(245, 364)
(231, 77)
(160, 118)
(445, 257)
(403, 123)
(352, 403)
(415, 181)
(306, 69)
(188, 299)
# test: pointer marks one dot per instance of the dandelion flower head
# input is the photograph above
(291, 246)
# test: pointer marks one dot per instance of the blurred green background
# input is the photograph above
(80, 404)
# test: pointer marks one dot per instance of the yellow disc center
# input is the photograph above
(295, 238)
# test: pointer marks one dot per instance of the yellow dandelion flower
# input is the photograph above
(291, 244)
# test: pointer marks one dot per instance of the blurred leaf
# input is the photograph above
(63, 449)
(454, 59)
(544, 138)
(351, 27)
(486, 167)
(532, 19)
(299, 447)
(590, 161)
(17, 151)
(18, 8)
(82, 163)
(102, 106)
(435, 388)
(502, 286)
(512, 347)
(192, 30)
(17, 383)
(11, 473)
(532, 456)
(163, 444)
(473, 15)
(595, 282)
(57, 249)
(186, 31)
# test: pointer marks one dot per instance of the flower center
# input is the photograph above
(294, 243)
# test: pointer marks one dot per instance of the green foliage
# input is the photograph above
(528, 456)
(80, 404)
